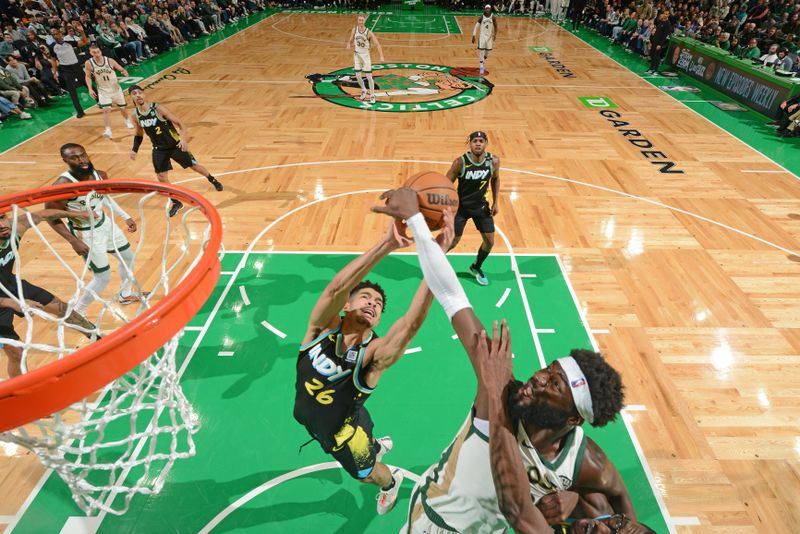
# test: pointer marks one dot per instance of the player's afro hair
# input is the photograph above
(605, 385)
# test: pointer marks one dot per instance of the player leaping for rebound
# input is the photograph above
(159, 124)
(361, 59)
(488, 26)
(12, 295)
(341, 360)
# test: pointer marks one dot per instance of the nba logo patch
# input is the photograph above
(578, 383)
(351, 356)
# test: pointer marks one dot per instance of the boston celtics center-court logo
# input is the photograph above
(404, 87)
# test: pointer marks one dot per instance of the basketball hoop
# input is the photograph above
(52, 409)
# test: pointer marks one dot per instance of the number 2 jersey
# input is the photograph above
(161, 131)
(329, 386)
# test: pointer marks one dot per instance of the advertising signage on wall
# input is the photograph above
(732, 77)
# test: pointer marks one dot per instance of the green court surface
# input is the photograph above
(245, 473)
(406, 22)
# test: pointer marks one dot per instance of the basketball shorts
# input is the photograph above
(485, 42)
(482, 218)
(162, 157)
(29, 292)
(106, 98)
(418, 521)
(362, 62)
(106, 238)
(353, 446)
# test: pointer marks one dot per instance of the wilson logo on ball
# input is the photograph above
(441, 200)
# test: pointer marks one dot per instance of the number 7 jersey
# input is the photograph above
(329, 387)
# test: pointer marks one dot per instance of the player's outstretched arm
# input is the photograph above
(80, 248)
(508, 471)
(390, 348)
(326, 310)
(118, 211)
(117, 66)
(23, 224)
(403, 204)
(599, 474)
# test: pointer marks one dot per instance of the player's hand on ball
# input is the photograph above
(396, 236)
(448, 233)
(401, 203)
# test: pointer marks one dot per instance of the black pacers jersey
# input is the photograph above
(7, 258)
(473, 182)
(329, 387)
(160, 131)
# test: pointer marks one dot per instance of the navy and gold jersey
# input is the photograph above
(7, 259)
(473, 182)
(328, 386)
(160, 130)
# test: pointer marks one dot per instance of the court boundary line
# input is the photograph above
(666, 516)
(250, 249)
(398, 42)
(531, 173)
(3, 153)
(651, 479)
(676, 99)
(263, 488)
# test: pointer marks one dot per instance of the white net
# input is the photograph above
(123, 440)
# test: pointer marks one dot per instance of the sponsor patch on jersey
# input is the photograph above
(352, 356)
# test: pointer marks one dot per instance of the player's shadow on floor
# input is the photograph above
(391, 267)
(342, 503)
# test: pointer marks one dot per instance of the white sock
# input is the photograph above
(97, 285)
(483, 59)
(371, 83)
(125, 258)
(360, 82)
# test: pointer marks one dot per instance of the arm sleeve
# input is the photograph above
(439, 275)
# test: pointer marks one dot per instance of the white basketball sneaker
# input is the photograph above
(388, 498)
(386, 444)
(363, 95)
(107, 133)
(129, 125)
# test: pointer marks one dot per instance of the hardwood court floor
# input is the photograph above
(690, 281)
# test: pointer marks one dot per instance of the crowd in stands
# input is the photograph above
(46, 42)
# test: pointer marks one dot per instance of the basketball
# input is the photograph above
(435, 193)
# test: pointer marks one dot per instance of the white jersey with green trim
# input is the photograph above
(459, 494)
(104, 76)
(361, 41)
(94, 201)
(546, 476)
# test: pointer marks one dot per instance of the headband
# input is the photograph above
(579, 386)
(475, 135)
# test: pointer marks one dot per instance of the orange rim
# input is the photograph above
(55, 386)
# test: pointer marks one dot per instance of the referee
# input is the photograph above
(69, 68)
